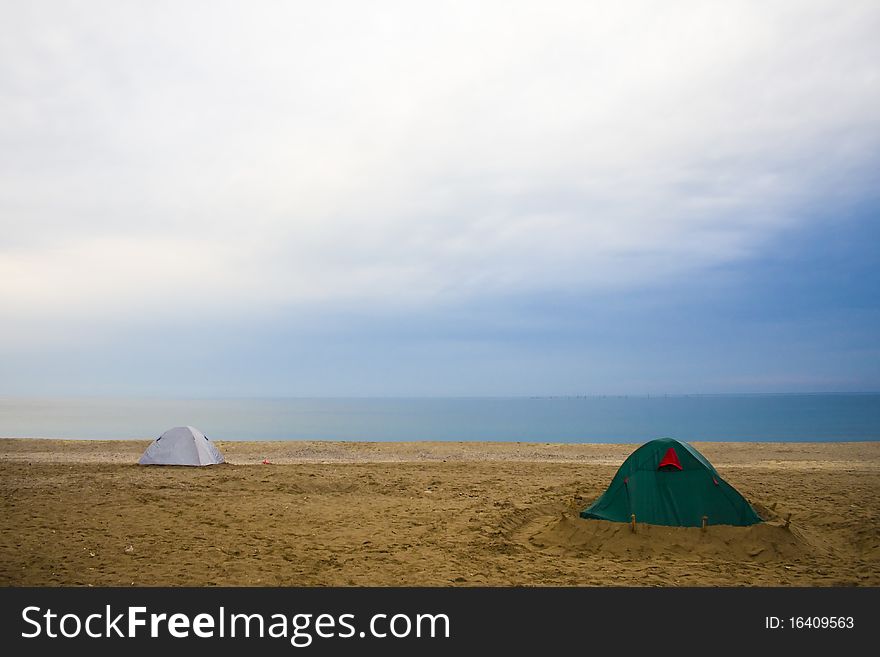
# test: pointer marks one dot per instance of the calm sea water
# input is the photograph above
(816, 417)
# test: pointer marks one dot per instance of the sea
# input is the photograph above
(590, 419)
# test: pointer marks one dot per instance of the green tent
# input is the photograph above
(668, 482)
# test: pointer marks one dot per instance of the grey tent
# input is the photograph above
(182, 446)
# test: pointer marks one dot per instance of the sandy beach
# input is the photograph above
(435, 514)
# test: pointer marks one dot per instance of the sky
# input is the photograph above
(446, 198)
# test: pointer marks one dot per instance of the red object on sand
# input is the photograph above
(266, 462)
(670, 458)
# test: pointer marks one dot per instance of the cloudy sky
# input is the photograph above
(444, 198)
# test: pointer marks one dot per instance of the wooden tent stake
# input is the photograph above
(632, 519)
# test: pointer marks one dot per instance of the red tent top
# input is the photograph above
(670, 458)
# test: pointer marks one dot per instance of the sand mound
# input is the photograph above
(561, 531)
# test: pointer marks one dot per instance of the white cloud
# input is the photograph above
(271, 153)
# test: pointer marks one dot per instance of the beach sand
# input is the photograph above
(421, 514)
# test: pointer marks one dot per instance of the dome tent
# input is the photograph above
(668, 482)
(181, 446)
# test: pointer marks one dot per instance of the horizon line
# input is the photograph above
(637, 395)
